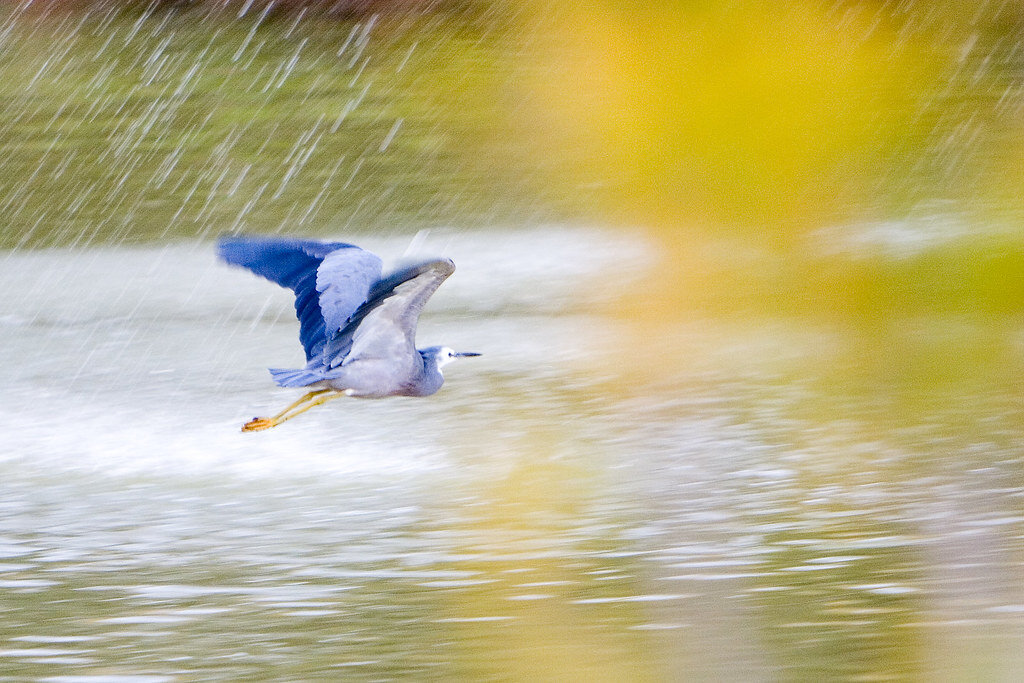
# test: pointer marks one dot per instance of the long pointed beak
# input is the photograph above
(467, 354)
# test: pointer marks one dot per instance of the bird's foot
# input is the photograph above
(259, 423)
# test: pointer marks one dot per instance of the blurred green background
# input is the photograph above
(869, 154)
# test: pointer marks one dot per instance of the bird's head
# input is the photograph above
(443, 355)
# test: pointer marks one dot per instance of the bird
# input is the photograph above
(357, 327)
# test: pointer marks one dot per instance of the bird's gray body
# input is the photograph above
(382, 377)
(358, 329)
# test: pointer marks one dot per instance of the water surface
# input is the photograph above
(539, 516)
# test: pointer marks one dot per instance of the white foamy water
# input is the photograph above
(147, 360)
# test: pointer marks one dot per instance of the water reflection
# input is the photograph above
(753, 509)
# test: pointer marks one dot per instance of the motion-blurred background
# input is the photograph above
(749, 282)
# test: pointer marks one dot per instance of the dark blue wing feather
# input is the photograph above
(294, 264)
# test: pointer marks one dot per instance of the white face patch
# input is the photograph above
(445, 356)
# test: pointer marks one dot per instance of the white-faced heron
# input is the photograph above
(358, 328)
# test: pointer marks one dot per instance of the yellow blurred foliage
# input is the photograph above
(734, 133)
(515, 544)
(730, 114)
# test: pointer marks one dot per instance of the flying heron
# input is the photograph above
(358, 329)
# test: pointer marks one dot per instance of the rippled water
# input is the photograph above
(548, 514)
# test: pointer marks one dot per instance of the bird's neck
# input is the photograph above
(432, 379)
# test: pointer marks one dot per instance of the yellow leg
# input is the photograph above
(311, 399)
(305, 397)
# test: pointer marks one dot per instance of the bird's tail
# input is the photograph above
(301, 377)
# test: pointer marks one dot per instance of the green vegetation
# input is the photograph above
(127, 126)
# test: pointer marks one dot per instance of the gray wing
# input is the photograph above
(343, 280)
(385, 326)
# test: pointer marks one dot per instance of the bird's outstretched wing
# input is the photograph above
(344, 280)
(331, 280)
(385, 326)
